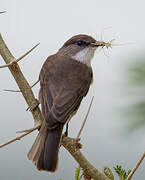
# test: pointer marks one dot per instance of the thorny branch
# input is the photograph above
(21, 81)
(17, 60)
(71, 146)
(19, 137)
(68, 143)
(2, 12)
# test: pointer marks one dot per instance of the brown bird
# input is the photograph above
(65, 79)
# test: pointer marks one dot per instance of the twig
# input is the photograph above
(19, 137)
(70, 145)
(136, 167)
(28, 130)
(20, 80)
(2, 12)
(90, 170)
(35, 83)
(10, 90)
(79, 133)
(17, 60)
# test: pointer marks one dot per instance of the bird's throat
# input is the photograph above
(84, 56)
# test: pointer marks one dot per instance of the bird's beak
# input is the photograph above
(97, 44)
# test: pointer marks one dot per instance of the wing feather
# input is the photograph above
(64, 83)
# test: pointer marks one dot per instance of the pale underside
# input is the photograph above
(85, 55)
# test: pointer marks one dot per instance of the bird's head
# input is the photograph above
(80, 47)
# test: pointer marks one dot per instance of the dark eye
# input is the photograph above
(81, 43)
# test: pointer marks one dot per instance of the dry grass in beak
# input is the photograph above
(105, 44)
(108, 44)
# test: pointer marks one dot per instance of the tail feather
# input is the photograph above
(38, 145)
(44, 151)
(49, 155)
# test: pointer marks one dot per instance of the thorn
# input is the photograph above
(17, 60)
(79, 133)
(28, 130)
(2, 12)
(27, 52)
(10, 90)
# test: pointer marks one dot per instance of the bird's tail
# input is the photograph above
(44, 151)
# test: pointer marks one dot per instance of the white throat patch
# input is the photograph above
(85, 55)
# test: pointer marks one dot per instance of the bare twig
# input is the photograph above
(105, 44)
(2, 12)
(79, 133)
(35, 83)
(90, 170)
(70, 145)
(10, 90)
(28, 130)
(20, 80)
(27, 52)
(136, 167)
(19, 137)
(14, 61)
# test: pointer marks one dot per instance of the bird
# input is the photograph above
(65, 79)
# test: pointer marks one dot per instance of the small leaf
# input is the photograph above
(108, 173)
(77, 173)
(121, 172)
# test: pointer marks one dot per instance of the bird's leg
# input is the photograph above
(34, 105)
(66, 131)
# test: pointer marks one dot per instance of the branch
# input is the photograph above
(68, 143)
(10, 90)
(85, 118)
(20, 80)
(19, 137)
(28, 130)
(2, 12)
(17, 60)
(136, 167)
(71, 146)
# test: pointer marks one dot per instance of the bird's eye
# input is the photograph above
(81, 43)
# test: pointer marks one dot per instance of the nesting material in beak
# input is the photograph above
(103, 44)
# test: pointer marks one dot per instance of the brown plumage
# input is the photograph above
(64, 82)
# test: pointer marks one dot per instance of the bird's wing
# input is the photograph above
(62, 91)
(65, 104)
